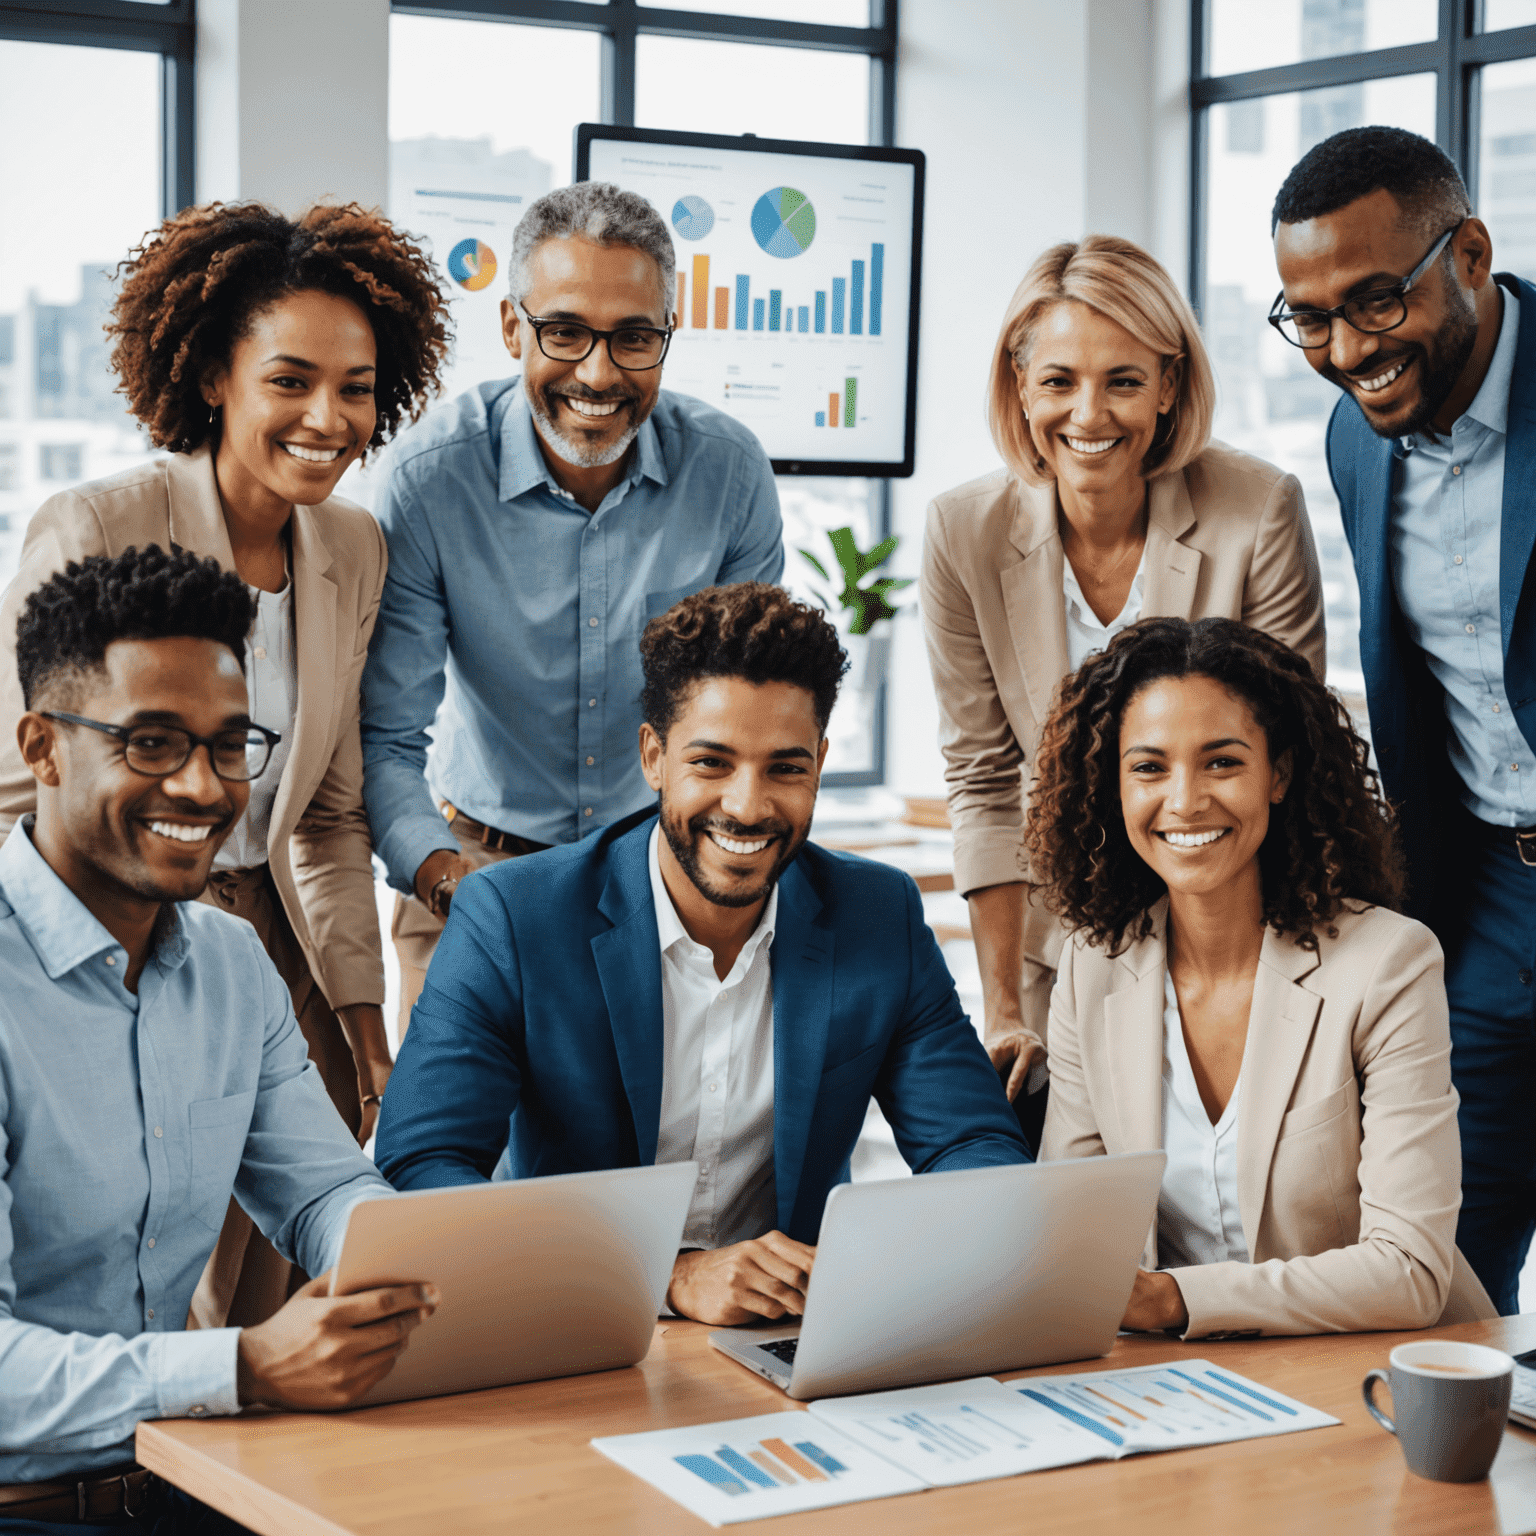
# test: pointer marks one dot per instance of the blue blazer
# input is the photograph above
(1407, 705)
(539, 1029)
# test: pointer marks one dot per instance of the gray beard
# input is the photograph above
(582, 455)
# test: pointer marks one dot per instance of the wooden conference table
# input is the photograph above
(517, 1459)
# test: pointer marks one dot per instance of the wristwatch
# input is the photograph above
(434, 899)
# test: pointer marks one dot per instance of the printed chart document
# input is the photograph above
(748, 1469)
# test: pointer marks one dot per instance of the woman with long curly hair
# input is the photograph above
(1241, 991)
(267, 355)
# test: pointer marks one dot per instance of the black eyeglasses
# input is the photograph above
(157, 751)
(1379, 309)
(634, 348)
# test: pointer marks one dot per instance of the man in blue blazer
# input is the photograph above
(701, 982)
(1389, 288)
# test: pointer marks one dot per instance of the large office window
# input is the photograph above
(67, 92)
(1271, 81)
(481, 113)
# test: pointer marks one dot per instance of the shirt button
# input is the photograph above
(1471, 629)
(1495, 709)
(591, 623)
(150, 1314)
(260, 653)
(591, 703)
(196, 1409)
(151, 1242)
(590, 761)
(588, 811)
(1456, 559)
(1456, 469)
(711, 1087)
(158, 1131)
(110, 960)
(1514, 767)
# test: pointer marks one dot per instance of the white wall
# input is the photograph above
(293, 101)
(1041, 121)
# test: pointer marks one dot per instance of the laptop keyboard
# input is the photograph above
(782, 1349)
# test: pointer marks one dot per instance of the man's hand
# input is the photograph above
(765, 1277)
(1156, 1302)
(320, 1351)
(1014, 1051)
(363, 1025)
(433, 869)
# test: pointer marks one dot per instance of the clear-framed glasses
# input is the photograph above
(157, 751)
(634, 348)
(1376, 310)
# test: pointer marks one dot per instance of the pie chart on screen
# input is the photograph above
(692, 217)
(783, 222)
(472, 264)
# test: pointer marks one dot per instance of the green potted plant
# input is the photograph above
(864, 604)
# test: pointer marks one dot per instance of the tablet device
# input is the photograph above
(539, 1277)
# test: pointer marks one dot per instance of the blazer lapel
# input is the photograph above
(314, 620)
(802, 959)
(1378, 659)
(628, 959)
(1280, 1025)
(1517, 523)
(1032, 595)
(1173, 569)
(1133, 1040)
(196, 514)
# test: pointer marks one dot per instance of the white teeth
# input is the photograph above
(734, 845)
(180, 832)
(592, 407)
(1092, 445)
(312, 455)
(1370, 386)
(1193, 839)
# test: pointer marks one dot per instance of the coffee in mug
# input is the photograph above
(1449, 1405)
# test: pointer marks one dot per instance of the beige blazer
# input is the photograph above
(1227, 537)
(1348, 1157)
(318, 847)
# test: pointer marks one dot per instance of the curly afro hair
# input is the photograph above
(1352, 164)
(750, 630)
(67, 624)
(1331, 840)
(193, 287)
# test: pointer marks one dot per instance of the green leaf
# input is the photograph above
(814, 564)
(847, 553)
(878, 555)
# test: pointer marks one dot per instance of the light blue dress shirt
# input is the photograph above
(520, 614)
(1447, 504)
(125, 1124)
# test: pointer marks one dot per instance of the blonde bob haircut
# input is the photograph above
(1122, 281)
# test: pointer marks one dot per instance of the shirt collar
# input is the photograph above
(1084, 614)
(1490, 406)
(62, 930)
(669, 927)
(524, 468)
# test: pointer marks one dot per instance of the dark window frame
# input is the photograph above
(621, 23)
(169, 30)
(1455, 57)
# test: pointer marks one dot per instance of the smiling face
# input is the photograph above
(119, 834)
(1399, 378)
(297, 399)
(588, 412)
(1092, 394)
(737, 775)
(1196, 783)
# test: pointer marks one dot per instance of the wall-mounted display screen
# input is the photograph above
(797, 286)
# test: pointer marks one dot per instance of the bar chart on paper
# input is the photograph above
(792, 308)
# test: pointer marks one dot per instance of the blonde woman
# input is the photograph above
(1114, 504)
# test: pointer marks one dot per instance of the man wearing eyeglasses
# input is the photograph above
(1390, 293)
(535, 526)
(150, 1064)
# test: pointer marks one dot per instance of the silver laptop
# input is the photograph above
(539, 1277)
(950, 1275)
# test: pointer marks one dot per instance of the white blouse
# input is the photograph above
(271, 680)
(1198, 1221)
(1084, 632)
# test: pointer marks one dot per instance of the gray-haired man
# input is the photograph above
(535, 526)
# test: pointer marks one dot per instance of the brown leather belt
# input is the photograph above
(491, 837)
(114, 1497)
(1524, 839)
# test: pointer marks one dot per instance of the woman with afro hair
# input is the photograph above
(1241, 991)
(267, 355)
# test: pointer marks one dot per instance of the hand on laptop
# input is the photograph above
(765, 1277)
(320, 1351)
(1156, 1302)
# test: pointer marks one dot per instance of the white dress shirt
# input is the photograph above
(717, 1074)
(1198, 1221)
(271, 680)
(1084, 631)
